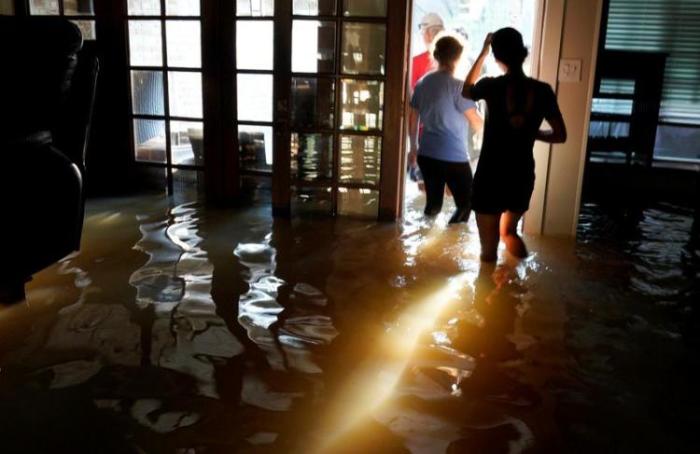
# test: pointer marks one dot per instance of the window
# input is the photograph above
(80, 12)
(663, 26)
(165, 61)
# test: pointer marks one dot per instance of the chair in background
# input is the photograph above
(48, 87)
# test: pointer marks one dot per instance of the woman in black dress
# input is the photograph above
(516, 106)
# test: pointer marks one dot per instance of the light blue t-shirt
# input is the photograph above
(439, 101)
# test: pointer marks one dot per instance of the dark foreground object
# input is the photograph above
(47, 88)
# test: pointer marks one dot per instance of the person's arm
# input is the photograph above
(413, 136)
(553, 116)
(476, 123)
(475, 71)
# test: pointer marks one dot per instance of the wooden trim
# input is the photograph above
(211, 94)
(281, 180)
(393, 155)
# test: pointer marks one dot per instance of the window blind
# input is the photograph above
(671, 26)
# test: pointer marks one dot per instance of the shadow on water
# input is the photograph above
(185, 329)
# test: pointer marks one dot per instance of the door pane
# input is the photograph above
(78, 8)
(374, 8)
(182, 7)
(314, 7)
(255, 97)
(363, 103)
(255, 147)
(43, 7)
(362, 203)
(260, 54)
(255, 8)
(187, 142)
(185, 94)
(147, 92)
(312, 157)
(313, 102)
(312, 201)
(149, 140)
(87, 29)
(145, 45)
(360, 159)
(184, 43)
(364, 48)
(144, 7)
(313, 46)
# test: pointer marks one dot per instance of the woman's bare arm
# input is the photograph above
(558, 132)
(413, 136)
(475, 71)
(476, 123)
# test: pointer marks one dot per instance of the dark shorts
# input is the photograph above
(498, 192)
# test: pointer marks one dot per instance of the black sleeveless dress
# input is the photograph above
(516, 106)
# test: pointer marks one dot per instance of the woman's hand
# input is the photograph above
(413, 157)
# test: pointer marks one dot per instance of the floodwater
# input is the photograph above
(185, 329)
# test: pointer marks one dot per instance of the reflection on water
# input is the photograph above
(190, 329)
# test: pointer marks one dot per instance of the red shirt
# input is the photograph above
(422, 65)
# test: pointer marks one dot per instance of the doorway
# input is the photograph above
(469, 21)
(290, 93)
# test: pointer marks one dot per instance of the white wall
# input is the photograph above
(571, 31)
(7, 7)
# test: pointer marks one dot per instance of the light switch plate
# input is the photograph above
(570, 70)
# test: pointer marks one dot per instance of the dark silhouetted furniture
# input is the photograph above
(47, 87)
(626, 104)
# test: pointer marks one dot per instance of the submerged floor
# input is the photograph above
(184, 329)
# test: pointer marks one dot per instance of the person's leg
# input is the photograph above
(459, 181)
(509, 234)
(434, 178)
(488, 235)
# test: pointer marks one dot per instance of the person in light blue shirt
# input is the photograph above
(441, 149)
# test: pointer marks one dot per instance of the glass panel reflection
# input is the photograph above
(255, 147)
(363, 104)
(255, 97)
(314, 7)
(312, 157)
(185, 94)
(362, 203)
(87, 29)
(43, 7)
(360, 159)
(260, 55)
(145, 45)
(144, 7)
(149, 140)
(255, 8)
(312, 201)
(184, 40)
(313, 46)
(78, 8)
(313, 102)
(373, 8)
(364, 48)
(182, 7)
(187, 143)
(147, 93)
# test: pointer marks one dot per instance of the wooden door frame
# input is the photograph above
(393, 161)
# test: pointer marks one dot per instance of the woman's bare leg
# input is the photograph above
(488, 235)
(509, 234)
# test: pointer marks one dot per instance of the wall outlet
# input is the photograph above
(570, 70)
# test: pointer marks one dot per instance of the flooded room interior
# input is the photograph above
(240, 226)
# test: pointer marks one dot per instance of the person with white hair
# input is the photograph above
(430, 26)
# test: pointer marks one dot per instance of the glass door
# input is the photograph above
(80, 12)
(165, 66)
(330, 107)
